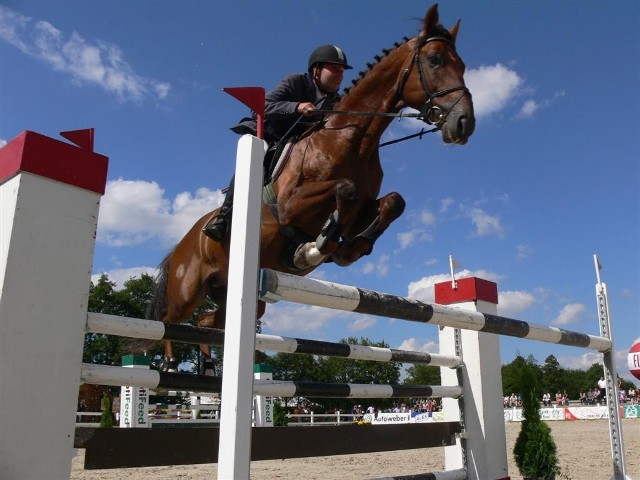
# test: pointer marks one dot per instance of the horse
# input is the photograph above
(326, 206)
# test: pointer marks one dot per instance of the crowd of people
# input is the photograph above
(595, 396)
(423, 405)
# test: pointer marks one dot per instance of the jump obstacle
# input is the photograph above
(57, 187)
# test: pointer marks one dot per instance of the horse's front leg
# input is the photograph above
(308, 205)
(379, 215)
(170, 364)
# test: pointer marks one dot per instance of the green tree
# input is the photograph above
(294, 367)
(554, 377)
(130, 301)
(423, 375)
(99, 348)
(511, 373)
(592, 375)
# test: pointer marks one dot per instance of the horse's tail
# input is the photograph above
(158, 304)
(156, 308)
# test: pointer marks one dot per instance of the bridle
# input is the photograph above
(429, 113)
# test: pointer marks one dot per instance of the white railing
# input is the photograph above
(306, 419)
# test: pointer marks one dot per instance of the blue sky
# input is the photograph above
(550, 177)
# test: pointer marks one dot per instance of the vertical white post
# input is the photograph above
(263, 411)
(50, 194)
(611, 377)
(234, 453)
(482, 450)
(134, 401)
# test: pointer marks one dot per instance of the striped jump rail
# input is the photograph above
(275, 286)
(153, 330)
(153, 379)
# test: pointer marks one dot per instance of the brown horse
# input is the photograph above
(327, 192)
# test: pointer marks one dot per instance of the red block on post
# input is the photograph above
(469, 289)
(35, 153)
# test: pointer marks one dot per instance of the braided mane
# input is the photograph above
(436, 31)
(378, 58)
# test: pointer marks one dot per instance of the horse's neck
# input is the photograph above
(376, 92)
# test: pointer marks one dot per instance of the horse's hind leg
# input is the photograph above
(207, 367)
(378, 216)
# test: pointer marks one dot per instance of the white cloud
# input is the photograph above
(3, 142)
(485, 223)
(121, 275)
(381, 268)
(99, 63)
(427, 218)
(411, 237)
(569, 314)
(531, 107)
(528, 109)
(413, 345)
(445, 203)
(585, 360)
(580, 362)
(523, 251)
(135, 211)
(361, 322)
(296, 319)
(512, 303)
(492, 87)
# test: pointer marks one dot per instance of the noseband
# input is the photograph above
(430, 113)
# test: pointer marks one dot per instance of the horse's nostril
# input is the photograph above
(465, 126)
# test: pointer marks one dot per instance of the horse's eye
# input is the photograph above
(435, 61)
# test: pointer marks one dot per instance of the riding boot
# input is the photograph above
(217, 229)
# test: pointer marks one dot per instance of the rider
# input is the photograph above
(297, 96)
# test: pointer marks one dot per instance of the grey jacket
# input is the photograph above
(280, 108)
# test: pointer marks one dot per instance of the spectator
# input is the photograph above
(558, 399)
(602, 385)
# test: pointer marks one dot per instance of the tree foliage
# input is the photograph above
(130, 301)
(423, 375)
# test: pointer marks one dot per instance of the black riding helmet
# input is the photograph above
(328, 54)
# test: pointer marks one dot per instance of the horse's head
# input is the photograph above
(433, 81)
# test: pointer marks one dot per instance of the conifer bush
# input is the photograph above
(535, 450)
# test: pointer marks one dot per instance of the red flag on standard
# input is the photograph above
(252, 97)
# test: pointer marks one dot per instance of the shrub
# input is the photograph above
(106, 419)
(279, 415)
(535, 450)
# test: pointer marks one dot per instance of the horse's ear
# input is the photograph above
(431, 18)
(454, 30)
